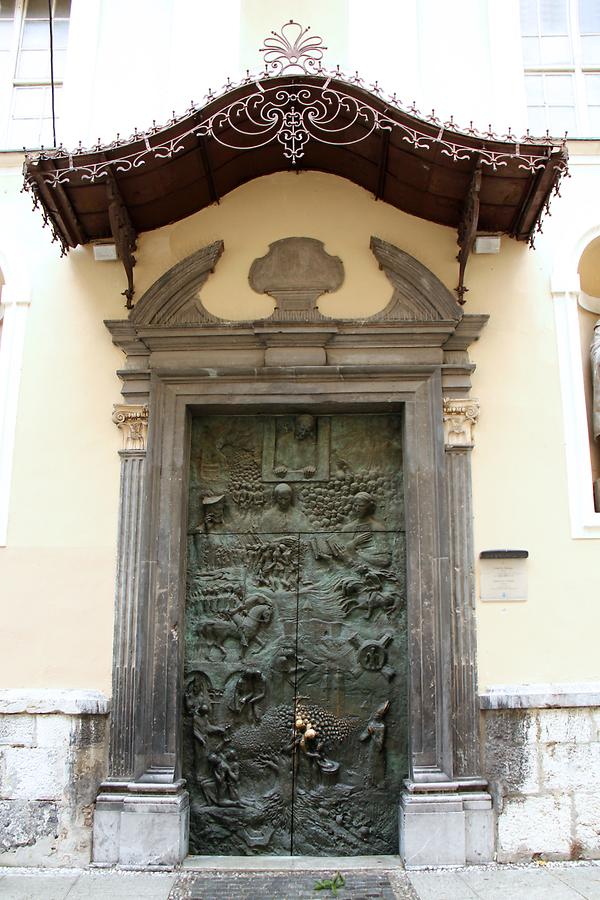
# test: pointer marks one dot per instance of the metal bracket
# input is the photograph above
(467, 228)
(123, 232)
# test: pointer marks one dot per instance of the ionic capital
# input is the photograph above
(460, 417)
(132, 419)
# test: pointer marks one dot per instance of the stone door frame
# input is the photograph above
(142, 813)
(172, 402)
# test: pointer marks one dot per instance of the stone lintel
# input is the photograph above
(541, 696)
(46, 701)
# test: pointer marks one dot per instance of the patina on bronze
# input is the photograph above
(295, 692)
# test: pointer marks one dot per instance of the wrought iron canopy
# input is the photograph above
(298, 116)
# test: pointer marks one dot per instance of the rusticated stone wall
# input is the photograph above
(53, 748)
(542, 766)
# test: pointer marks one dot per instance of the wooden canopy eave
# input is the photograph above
(464, 180)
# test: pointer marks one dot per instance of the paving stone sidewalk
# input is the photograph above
(554, 881)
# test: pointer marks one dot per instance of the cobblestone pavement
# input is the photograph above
(553, 881)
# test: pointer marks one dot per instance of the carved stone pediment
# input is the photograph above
(174, 298)
(295, 272)
(418, 295)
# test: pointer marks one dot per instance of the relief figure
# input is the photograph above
(296, 447)
(226, 775)
(249, 689)
(241, 625)
(207, 737)
(374, 737)
(368, 545)
(311, 744)
(367, 548)
(284, 515)
(213, 517)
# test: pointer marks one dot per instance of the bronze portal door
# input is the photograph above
(295, 698)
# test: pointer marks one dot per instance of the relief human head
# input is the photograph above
(283, 496)
(363, 504)
(214, 509)
(305, 426)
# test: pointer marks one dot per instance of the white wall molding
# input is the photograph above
(45, 701)
(541, 696)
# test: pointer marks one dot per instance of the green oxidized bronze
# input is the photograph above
(296, 652)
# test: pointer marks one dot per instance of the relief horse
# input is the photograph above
(242, 625)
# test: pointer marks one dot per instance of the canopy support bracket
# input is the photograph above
(123, 233)
(383, 163)
(467, 228)
(210, 178)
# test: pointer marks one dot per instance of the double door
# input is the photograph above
(295, 695)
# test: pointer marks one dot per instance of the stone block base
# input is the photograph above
(542, 764)
(53, 748)
(446, 829)
(141, 829)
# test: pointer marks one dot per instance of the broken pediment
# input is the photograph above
(174, 298)
(418, 295)
(296, 271)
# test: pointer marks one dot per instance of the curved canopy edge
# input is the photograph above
(311, 119)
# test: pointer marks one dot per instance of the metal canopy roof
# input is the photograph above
(297, 116)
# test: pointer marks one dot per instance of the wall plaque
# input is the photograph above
(503, 575)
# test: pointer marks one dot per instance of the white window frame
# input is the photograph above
(7, 89)
(576, 68)
(565, 289)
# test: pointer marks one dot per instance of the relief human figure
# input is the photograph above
(283, 515)
(310, 743)
(226, 775)
(213, 518)
(208, 737)
(249, 689)
(368, 545)
(374, 734)
(296, 449)
(241, 625)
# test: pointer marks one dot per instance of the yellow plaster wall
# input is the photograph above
(57, 573)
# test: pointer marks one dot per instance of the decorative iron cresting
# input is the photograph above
(294, 114)
(293, 102)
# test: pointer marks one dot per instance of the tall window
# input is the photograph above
(561, 53)
(25, 70)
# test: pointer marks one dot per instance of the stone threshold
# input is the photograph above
(289, 863)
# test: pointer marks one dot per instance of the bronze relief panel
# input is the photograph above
(296, 659)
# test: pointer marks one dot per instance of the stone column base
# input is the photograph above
(141, 829)
(446, 829)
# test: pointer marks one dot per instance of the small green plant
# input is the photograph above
(331, 884)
